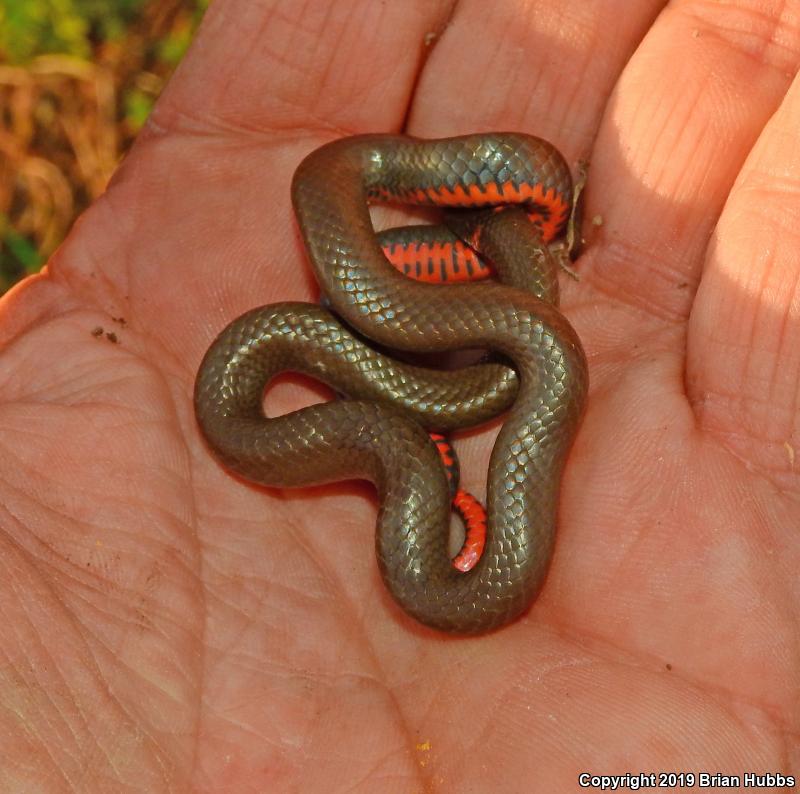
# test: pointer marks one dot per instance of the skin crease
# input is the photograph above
(168, 628)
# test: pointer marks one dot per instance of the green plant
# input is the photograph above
(32, 27)
(128, 46)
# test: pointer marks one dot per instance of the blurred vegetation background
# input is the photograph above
(77, 81)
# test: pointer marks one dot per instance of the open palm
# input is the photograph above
(167, 627)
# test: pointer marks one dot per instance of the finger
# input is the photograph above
(345, 66)
(743, 367)
(685, 114)
(546, 68)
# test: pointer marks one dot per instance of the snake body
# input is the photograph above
(378, 434)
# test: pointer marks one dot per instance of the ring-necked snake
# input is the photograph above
(378, 432)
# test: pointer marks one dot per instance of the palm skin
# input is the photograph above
(169, 628)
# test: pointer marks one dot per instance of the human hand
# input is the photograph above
(171, 628)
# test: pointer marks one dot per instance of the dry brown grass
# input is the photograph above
(59, 144)
(63, 127)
